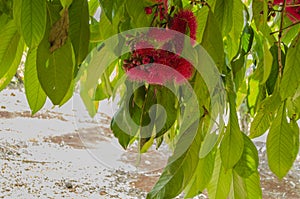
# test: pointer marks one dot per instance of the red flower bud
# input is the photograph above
(148, 10)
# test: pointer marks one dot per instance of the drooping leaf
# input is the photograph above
(6, 78)
(248, 163)
(212, 41)
(9, 43)
(180, 168)
(202, 176)
(35, 95)
(271, 82)
(124, 135)
(232, 145)
(79, 30)
(219, 185)
(55, 73)
(291, 74)
(253, 188)
(223, 13)
(268, 59)
(264, 115)
(201, 16)
(33, 21)
(238, 187)
(281, 144)
(233, 37)
(167, 99)
(111, 8)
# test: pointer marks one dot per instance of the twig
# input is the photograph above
(285, 27)
(279, 39)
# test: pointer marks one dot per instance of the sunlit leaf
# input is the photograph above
(35, 95)
(202, 176)
(6, 78)
(33, 21)
(291, 74)
(281, 144)
(248, 163)
(264, 115)
(177, 174)
(232, 145)
(9, 43)
(79, 29)
(212, 41)
(219, 185)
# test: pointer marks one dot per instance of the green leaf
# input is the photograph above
(219, 185)
(281, 144)
(111, 8)
(180, 169)
(202, 176)
(122, 134)
(66, 3)
(9, 44)
(271, 82)
(252, 184)
(93, 6)
(248, 163)
(264, 115)
(79, 29)
(223, 14)
(167, 99)
(55, 73)
(212, 41)
(201, 16)
(5, 80)
(35, 95)
(238, 187)
(291, 74)
(268, 59)
(138, 17)
(232, 145)
(233, 38)
(33, 21)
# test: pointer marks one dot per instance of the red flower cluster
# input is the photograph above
(156, 66)
(183, 21)
(293, 11)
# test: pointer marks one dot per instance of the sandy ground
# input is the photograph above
(63, 153)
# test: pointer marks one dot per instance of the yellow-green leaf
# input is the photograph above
(33, 21)
(35, 95)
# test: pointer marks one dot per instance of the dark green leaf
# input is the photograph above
(122, 134)
(55, 71)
